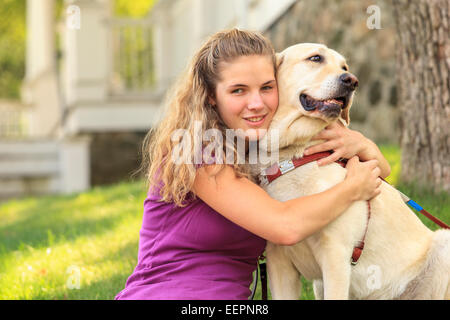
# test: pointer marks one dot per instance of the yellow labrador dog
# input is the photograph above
(402, 259)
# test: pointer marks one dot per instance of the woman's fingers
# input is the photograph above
(377, 171)
(324, 146)
(372, 163)
(353, 160)
(330, 159)
(366, 175)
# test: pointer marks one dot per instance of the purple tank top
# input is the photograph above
(191, 253)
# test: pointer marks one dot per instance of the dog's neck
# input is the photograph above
(296, 133)
(297, 150)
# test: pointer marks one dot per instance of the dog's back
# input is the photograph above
(433, 282)
(396, 249)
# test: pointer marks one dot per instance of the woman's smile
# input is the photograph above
(256, 121)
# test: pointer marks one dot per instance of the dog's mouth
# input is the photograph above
(329, 107)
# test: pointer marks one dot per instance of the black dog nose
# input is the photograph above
(348, 80)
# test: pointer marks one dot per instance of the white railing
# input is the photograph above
(132, 70)
(15, 121)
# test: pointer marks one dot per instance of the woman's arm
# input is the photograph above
(249, 206)
(347, 143)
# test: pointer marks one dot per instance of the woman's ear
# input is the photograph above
(211, 102)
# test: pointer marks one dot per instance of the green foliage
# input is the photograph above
(12, 47)
(134, 59)
(393, 156)
(13, 37)
(135, 8)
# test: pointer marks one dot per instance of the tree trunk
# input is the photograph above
(423, 29)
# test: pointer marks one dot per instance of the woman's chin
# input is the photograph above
(255, 134)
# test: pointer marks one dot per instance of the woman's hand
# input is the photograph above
(364, 176)
(346, 144)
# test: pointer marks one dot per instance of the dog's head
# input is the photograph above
(315, 88)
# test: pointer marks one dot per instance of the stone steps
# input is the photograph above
(28, 167)
(40, 167)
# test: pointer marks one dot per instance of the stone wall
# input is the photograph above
(370, 53)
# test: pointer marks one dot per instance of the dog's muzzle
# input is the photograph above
(332, 107)
(348, 82)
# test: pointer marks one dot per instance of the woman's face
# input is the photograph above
(247, 94)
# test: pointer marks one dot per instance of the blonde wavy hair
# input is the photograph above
(188, 102)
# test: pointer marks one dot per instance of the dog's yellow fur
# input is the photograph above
(402, 258)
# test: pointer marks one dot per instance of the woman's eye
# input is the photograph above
(316, 58)
(267, 87)
(239, 90)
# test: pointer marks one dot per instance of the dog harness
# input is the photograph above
(280, 168)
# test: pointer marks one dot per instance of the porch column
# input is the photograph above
(40, 87)
(86, 53)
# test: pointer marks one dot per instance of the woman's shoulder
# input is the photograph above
(154, 195)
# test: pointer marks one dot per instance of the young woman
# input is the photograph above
(205, 226)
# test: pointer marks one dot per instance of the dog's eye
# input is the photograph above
(316, 58)
(345, 68)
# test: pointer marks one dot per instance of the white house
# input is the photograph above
(111, 77)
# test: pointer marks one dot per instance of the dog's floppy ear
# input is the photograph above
(280, 57)
(345, 116)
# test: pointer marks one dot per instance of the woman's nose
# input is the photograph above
(255, 102)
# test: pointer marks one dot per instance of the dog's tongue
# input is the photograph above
(331, 107)
(333, 101)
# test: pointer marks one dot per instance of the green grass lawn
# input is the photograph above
(46, 242)
(50, 245)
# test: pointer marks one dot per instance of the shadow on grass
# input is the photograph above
(49, 220)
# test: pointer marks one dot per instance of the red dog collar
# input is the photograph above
(282, 167)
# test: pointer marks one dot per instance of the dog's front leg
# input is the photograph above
(284, 279)
(336, 271)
